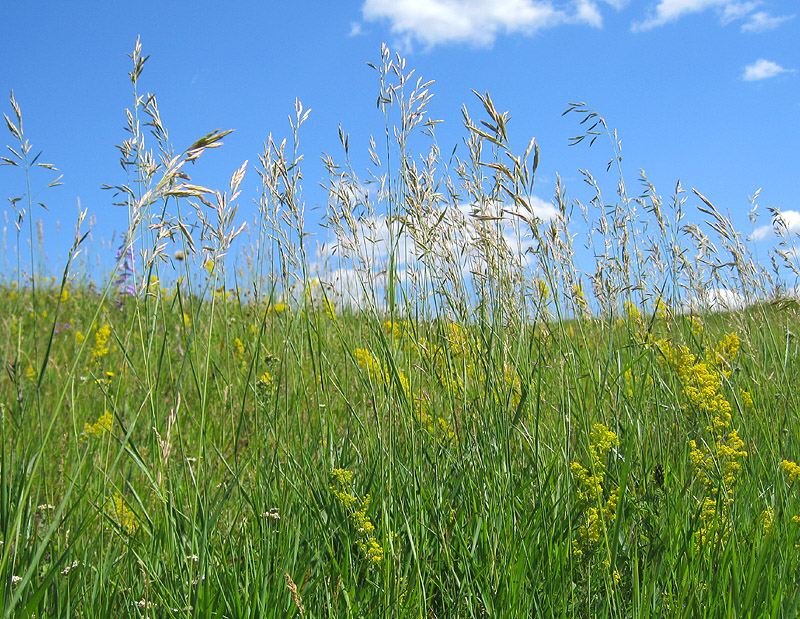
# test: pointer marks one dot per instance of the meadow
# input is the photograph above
(446, 417)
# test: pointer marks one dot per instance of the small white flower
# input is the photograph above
(272, 513)
(143, 604)
(16, 579)
(67, 569)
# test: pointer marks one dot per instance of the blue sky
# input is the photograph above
(702, 91)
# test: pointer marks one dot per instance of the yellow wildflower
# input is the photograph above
(579, 299)
(791, 469)
(330, 310)
(264, 383)
(632, 311)
(278, 308)
(768, 519)
(661, 309)
(356, 510)
(99, 427)
(121, 514)
(589, 485)
(544, 290)
(747, 399)
(101, 347)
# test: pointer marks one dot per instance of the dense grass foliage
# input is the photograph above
(471, 436)
(230, 458)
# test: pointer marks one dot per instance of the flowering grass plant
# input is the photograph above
(458, 425)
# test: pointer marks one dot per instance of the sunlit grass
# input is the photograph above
(469, 433)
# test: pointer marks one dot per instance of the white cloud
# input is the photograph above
(761, 22)
(668, 11)
(785, 224)
(737, 10)
(355, 29)
(588, 13)
(717, 300)
(542, 209)
(478, 22)
(763, 69)
(353, 264)
(713, 300)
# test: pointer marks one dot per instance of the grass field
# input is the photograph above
(472, 433)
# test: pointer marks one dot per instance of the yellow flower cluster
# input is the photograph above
(278, 308)
(718, 469)
(99, 427)
(264, 383)
(579, 300)
(121, 514)
(724, 354)
(792, 470)
(632, 312)
(768, 519)
(713, 519)
(702, 380)
(544, 290)
(718, 461)
(589, 484)
(661, 310)
(678, 357)
(101, 347)
(379, 373)
(330, 308)
(356, 510)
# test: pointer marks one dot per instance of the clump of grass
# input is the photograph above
(448, 416)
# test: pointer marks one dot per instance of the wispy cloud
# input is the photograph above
(478, 22)
(761, 22)
(355, 29)
(737, 10)
(785, 223)
(763, 69)
(668, 11)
